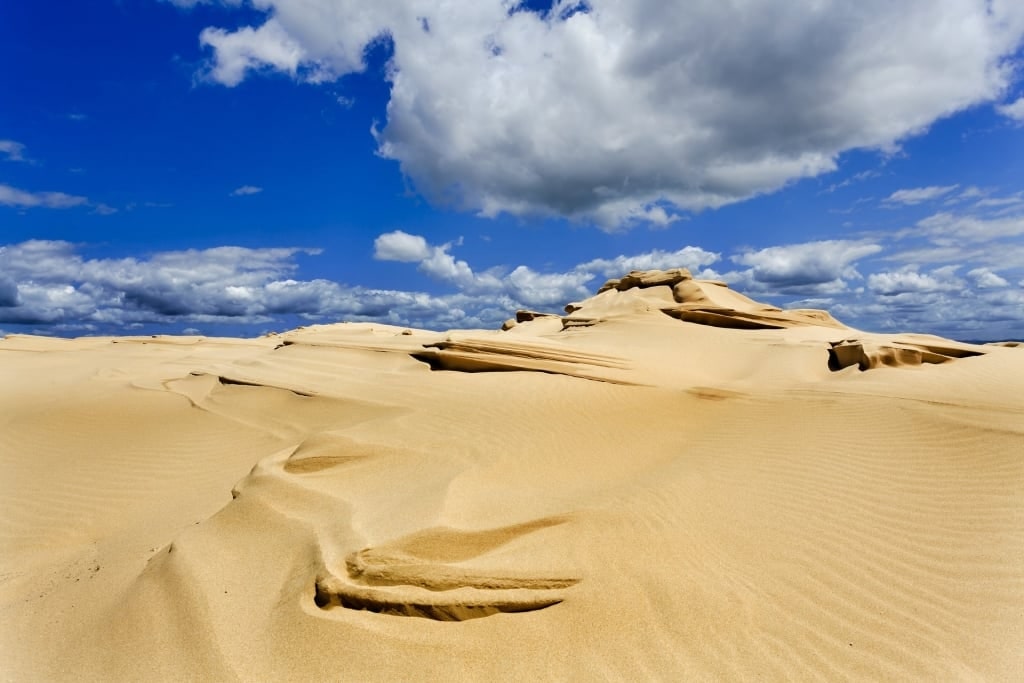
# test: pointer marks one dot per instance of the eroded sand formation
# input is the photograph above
(668, 481)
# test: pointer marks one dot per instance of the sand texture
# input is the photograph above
(669, 481)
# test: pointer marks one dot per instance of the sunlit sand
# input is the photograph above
(667, 481)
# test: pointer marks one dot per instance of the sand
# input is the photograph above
(670, 481)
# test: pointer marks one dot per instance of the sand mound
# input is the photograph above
(669, 481)
(705, 302)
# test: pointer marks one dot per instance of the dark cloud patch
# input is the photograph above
(8, 292)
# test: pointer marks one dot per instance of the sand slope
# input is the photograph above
(670, 481)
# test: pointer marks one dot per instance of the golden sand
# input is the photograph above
(671, 482)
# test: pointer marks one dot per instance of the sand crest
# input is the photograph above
(668, 481)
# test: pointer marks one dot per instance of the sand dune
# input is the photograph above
(669, 481)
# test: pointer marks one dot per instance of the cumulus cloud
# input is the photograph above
(50, 283)
(811, 274)
(918, 195)
(524, 285)
(926, 291)
(957, 313)
(246, 190)
(441, 265)
(981, 236)
(630, 111)
(268, 46)
(53, 286)
(437, 262)
(810, 267)
(889, 283)
(56, 284)
(400, 246)
(532, 288)
(693, 258)
(984, 278)
(23, 199)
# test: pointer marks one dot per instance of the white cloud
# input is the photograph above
(249, 48)
(13, 150)
(49, 283)
(971, 192)
(547, 289)
(400, 246)
(909, 280)
(983, 236)
(56, 284)
(22, 199)
(52, 285)
(981, 304)
(949, 229)
(634, 110)
(246, 190)
(524, 285)
(435, 261)
(918, 195)
(693, 258)
(994, 255)
(968, 193)
(986, 279)
(956, 313)
(811, 267)
(622, 214)
(443, 266)
(999, 202)
(1014, 110)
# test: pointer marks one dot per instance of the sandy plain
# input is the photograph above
(668, 482)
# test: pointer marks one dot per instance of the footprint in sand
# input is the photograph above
(423, 575)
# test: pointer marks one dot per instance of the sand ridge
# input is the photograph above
(669, 480)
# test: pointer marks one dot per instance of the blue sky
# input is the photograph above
(240, 166)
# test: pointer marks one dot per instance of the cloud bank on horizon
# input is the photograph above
(500, 109)
(596, 131)
(50, 282)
